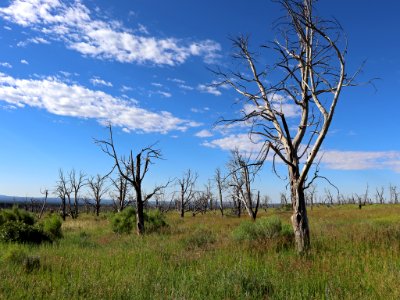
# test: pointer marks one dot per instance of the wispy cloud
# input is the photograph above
(204, 133)
(242, 142)
(209, 89)
(96, 81)
(361, 160)
(74, 100)
(330, 159)
(36, 40)
(74, 24)
(5, 65)
(24, 62)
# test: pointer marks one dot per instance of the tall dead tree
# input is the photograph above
(97, 185)
(311, 195)
(394, 194)
(137, 166)
(121, 189)
(186, 192)
(77, 181)
(45, 192)
(291, 103)
(220, 186)
(379, 197)
(242, 174)
(63, 191)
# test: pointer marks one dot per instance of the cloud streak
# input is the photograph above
(331, 159)
(59, 98)
(73, 23)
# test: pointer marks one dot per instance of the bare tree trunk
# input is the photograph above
(299, 218)
(63, 207)
(182, 206)
(139, 212)
(221, 206)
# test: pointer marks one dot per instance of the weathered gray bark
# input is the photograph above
(310, 58)
(218, 179)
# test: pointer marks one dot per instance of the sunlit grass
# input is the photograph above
(355, 255)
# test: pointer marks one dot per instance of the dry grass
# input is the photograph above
(355, 255)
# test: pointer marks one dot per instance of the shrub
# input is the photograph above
(155, 220)
(263, 229)
(124, 221)
(19, 226)
(200, 238)
(52, 226)
(19, 232)
(16, 214)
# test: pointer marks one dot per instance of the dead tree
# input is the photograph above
(265, 202)
(137, 166)
(311, 195)
(284, 200)
(120, 193)
(394, 194)
(63, 191)
(77, 182)
(220, 187)
(300, 90)
(242, 174)
(186, 192)
(379, 198)
(328, 196)
(44, 203)
(98, 188)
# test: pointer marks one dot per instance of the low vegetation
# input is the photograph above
(20, 226)
(355, 254)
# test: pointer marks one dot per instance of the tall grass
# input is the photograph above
(355, 255)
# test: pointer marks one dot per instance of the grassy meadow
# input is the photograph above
(355, 255)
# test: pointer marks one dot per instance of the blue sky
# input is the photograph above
(69, 67)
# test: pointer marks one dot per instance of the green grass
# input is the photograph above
(355, 255)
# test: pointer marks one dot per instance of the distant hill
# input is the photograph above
(18, 199)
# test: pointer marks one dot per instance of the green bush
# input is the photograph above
(154, 220)
(52, 226)
(124, 221)
(19, 226)
(263, 229)
(19, 232)
(16, 214)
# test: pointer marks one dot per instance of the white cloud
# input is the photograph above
(209, 89)
(177, 80)
(36, 40)
(62, 99)
(164, 94)
(24, 62)
(156, 84)
(204, 133)
(331, 159)
(5, 65)
(241, 141)
(361, 160)
(288, 109)
(96, 81)
(73, 24)
(125, 88)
